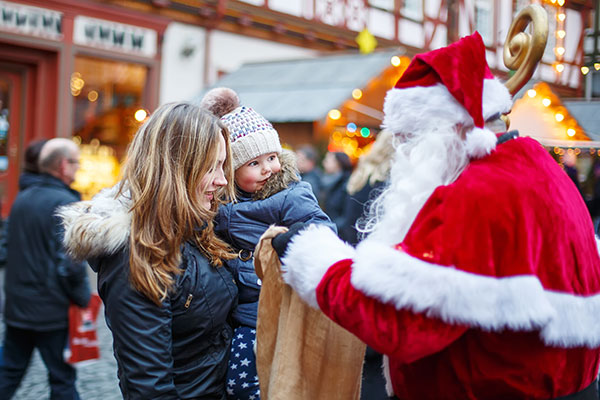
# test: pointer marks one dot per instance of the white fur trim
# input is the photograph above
(422, 108)
(518, 303)
(389, 389)
(480, 142)
(308, 256)
(496, 98)
(97, 227)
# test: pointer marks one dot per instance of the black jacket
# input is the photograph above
(41, 281)
(178, 350)
(333, 197)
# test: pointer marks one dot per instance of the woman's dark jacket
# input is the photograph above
(41, 281)
(283, 201)
(178, 350)
(333, 197)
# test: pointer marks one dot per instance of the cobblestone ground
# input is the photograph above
(96, 380)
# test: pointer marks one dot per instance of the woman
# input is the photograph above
(167, 296)
(337, 167)
(366, 182)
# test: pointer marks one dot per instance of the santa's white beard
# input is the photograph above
(422, 163)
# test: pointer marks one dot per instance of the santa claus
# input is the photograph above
(480, 275)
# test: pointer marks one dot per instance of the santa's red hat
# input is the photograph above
(449, 85)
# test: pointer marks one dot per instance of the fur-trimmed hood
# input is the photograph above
(281, 180)
(98, 227)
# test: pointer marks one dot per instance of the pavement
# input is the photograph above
(96, 380)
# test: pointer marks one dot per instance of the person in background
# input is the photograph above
(337, 168)
(366, 182)
(570, 167)
(166, 293)
(41, 280)
(31, 171)
(306, 158)
(268, 192)
(29, 176)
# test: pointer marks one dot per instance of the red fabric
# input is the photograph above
(461, 67)
(514, 212)
(83, 343)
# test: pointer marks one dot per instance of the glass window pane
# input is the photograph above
(106, 96)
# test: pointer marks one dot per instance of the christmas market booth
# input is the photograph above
(334, 102)
(568, 129)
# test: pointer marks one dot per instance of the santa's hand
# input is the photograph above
(280, 242)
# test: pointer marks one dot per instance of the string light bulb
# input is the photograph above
(559, 117)
(585, 70)
(546, 102)
(571, 132)
(531, 93)
(357, 94)
(334, 114)
(140, 115)
(560, 67)
(396, 61)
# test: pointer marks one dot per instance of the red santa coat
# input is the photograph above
(494, 293)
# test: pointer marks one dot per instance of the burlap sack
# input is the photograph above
(301, 354)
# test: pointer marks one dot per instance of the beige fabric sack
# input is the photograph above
(300, 353)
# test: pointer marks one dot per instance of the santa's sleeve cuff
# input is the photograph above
(309, 256)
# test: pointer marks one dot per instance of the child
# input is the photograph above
(268, 192)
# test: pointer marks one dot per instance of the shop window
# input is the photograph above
(413, 9)
(108, 97)
(484, 20)
(387, 5)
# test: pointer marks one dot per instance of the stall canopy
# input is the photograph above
(304, 90)
(540, 113)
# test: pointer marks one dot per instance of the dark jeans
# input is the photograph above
(18, 347)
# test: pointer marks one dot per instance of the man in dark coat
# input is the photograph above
(41, 281)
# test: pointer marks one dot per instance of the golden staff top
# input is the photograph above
(522, 50)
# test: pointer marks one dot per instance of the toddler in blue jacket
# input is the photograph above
(269, 191)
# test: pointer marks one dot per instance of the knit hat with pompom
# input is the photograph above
(250, 133)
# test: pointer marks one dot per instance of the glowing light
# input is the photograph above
(356, 94)
(365, 132)
(571, 132)
(351, 127)
(561, 17)
(92, 96)
(559, 117)
(546, 102)
(334, 114)
(560, 51)
(140, 115)
(585, 70)
(396, 61)
(531, 93)
(556, 150)
(597, 66)
(560, 67)
(561, 34)
(561, 2)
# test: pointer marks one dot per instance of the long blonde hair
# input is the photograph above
(375, 165)
(166, 161)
